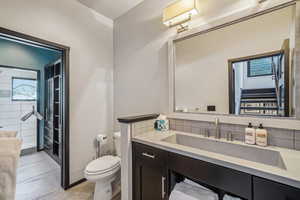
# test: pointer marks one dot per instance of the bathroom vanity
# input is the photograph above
(160, 160)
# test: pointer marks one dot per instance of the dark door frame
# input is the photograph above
(65, 166)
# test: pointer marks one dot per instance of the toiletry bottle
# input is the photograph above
(261, 136)
(250, 134)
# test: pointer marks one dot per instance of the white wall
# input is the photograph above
(140, 45)
(90, 37)
(140, 73)
(12, 111)
(201, 73)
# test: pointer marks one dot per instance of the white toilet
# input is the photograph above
(105, 170)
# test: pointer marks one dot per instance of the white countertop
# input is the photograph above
(291, 158)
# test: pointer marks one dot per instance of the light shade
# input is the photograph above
(180, 12)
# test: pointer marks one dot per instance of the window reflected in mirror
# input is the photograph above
(258, 85)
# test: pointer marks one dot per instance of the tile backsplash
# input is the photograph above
(142, 127)
(276, 137)
(297, 140)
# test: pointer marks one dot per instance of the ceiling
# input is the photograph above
(111, 8)
(115, 8)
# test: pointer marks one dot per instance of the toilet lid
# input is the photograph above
(103, 164)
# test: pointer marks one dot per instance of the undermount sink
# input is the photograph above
(263, 156)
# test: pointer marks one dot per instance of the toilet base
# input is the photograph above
(103, 191)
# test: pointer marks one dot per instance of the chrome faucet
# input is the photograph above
(217, 123)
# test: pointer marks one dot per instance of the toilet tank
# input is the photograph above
(117, 141)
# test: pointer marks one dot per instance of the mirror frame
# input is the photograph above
(244, 15)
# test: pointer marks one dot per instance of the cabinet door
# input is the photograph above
(149, 182)
(149, 173)
(265, 190)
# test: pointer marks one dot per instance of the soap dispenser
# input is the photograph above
(250, 134)
(261, 136)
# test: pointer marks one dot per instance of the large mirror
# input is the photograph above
(244, 68)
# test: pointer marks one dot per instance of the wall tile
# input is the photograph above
(187, 123)
(196, 124)
(280, 133)
(239, 129)
(142, 127)
(187, 129)
(196, 130)
(227, 127)
(297, 135)
(179, 128)
(297, 145)
(179, 122)
(277, 137)
(201, 124)
(284, 143)
(297, 140)
(238, 137)
(172, 124)
(235, 135)
(187, 126)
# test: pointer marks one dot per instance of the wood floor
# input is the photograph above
(38, 178)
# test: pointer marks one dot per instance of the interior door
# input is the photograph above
(149, 173)
(150, 182)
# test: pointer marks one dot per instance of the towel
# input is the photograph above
(10, 149)
(185, 191)
(8, 134)
(228, 197)
(188, 181)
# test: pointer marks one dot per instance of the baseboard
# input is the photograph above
(28, 151)
(76, 183)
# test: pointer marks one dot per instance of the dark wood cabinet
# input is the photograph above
(264, 190)
(149, 174)
(155, 173)
(222, 178)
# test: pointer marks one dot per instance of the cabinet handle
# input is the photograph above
(148, 155)
(163, 192)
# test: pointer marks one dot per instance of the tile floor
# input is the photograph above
(38, 178)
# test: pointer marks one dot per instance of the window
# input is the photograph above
(24, 89)
(260, 67)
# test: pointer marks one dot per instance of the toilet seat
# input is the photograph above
(103, 165)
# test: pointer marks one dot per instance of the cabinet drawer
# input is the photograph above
(264, 189)
(226, 179)
(148, 154)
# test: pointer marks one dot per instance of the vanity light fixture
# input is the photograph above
(180, 12)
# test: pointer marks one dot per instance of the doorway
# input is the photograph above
(63, 126)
